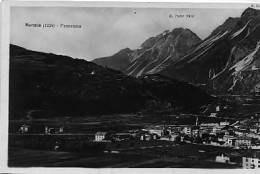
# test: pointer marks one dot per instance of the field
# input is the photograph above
(36, 149)
(188, 156)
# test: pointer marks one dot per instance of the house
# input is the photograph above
(238, 141)
(24, 129)
(208, 124)
(254, 129)
(222, 159)
(253, 135)
(229, 141)
(216, 129)
(187, 130)
(195, 132)
(53, 130)
(99, 136)
(224, 123)
(146, 137)
(167, 138)
(243, 141)
(122, 136)
(213, 114)
(158, 130)
(255, 146)
(251, 162)
(240, 133)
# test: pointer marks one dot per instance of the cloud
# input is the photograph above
(105, 30)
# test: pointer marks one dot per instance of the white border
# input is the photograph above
(4, 90)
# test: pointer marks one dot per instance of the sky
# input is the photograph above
(105, 30)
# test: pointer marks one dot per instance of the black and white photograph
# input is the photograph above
(132, 85)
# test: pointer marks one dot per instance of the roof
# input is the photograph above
(101, 133)
(154, 127)
(243, 138)
(25, 125)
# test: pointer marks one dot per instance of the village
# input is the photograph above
(236, 142)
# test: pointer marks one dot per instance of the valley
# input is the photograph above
(177, 101)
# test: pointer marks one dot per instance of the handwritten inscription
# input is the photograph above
(255, 5)
(182, 16)
(72, 26)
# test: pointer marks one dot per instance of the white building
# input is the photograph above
(222, 159)
(99, 136)
(238, 141)
(52, 130)
(250, 163)
(243, 141)
(216, 129)
(158, 130)
(187, 130)
(230, 141)
(224, 123)
(213, 114)
(24, 129)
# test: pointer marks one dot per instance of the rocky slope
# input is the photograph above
(228, 60)
(47, 85)
(155, 53)
(119, 61)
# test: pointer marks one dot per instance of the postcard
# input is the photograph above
(109, 86)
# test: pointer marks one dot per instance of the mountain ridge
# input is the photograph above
(156, 52)
(48, 85)
(210, 64)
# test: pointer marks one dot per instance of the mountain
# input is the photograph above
(228, 60)
(47, 85)
(155, 53)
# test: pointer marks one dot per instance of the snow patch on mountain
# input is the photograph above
(232, 87)
(133, 70)
(219, 36)
(240, 31)
(241, 65)
(154, 70)
(209, 44)
(131, 66)
(228, 62)
(141, 71)
(137, 55)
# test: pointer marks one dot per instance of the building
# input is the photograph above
(254, 129)
(195, 132)
(238, 141)
(224, 123)
(24, 129)
(158, 130)
(122, 136)
(208, 124)
(167, 138)
(99, 136)
(251, 162)
(230, 141)
(253, 135)
(213, 114)
(222, 159)
(187, 130)
(52, 130)
(146, 136)
(243, 141)
(216, 129)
